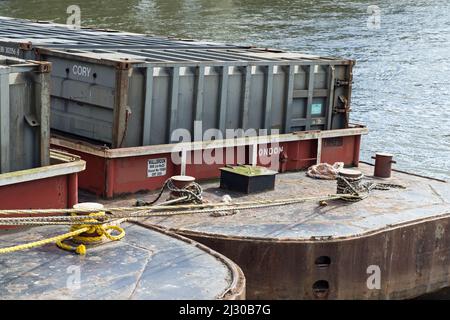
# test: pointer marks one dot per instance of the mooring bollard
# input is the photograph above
(383, 165)
(180, 182)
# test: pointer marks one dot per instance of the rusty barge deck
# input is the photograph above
(307, 251)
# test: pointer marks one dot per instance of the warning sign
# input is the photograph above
(157, 167)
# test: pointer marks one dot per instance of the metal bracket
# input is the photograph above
(32, 120)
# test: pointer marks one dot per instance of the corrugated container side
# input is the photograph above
(83, 98)
(24, 114)
(154, 99)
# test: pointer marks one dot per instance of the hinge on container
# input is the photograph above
(341, 83)
(345, 108)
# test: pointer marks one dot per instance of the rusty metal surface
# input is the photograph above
(146, 264)
(413, 260)
(404, 232)
(423, 198)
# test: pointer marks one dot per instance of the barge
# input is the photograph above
(332, 250)
(148, 264)
(117, 99)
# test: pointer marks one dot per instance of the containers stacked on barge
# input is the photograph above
(42, 178)
(118, 106)
(98, 92)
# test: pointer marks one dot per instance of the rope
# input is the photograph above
(192, 193)
(360, 190)
(167, 211)
(41, 242)
(127, 118)
(325, 171)
(80, 233)
(91, 230)
(347, 185)
(347, 190)
(94, 229)
(155, 208)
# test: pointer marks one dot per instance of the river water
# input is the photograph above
(402, 48)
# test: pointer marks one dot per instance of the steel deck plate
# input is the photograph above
(146, 264)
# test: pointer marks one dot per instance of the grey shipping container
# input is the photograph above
(130, 98)
(128, 95)
(24, 114)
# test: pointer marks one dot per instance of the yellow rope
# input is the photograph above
(42, 242)
(75, 233)
(100, 230)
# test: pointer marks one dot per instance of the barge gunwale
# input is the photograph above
(108, 153)
(66, 164)
(123, 170)
(409, 173)
(288, 270)
(54, 186)
(237, 286)
(310, 241)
